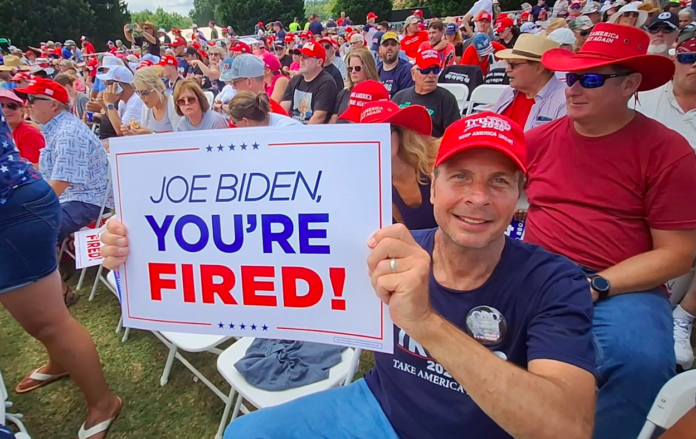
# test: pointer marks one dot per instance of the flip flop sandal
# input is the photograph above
(43, 379)
(102, 427)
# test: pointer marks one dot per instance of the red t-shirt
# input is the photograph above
(29, 141)
(411, 43)
(594, 200)
(446, 54)
(519, 109)
(470, 57)
(89, 48)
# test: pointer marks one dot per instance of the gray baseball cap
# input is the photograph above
(242, 66)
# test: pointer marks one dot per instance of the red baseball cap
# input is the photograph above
(240, 46)
(363, 93)
(485, 16)
(304, 34)
(421, 26)
(427, 58)
(418, 12)
(349, 29)
(260, 24)
(315, 50)
(289, 38)
(484, 130)
(176, 31)
(21, 76)
(526, 15)
(178, 41)
(168, 60)
(503, 24)
(371, 15)
(45, 87)
(271, 61)
(413, 117)
(330, 41)
(145, 63)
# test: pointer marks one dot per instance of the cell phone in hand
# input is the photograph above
(131, 27)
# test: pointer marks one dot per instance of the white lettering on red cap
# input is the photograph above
(603, 37)
(371, 111)
(364, 96)
(309, 46)
(427, 54)
(493, 122)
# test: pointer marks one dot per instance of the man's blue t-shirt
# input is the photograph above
(397, 79)
(67, 54)
(535, 305)
(316, 28)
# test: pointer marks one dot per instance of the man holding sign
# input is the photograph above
(492, 336)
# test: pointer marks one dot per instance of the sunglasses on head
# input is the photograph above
(590, 80)
(31, 99)
(429, 70)
(188, 100)
(356, 68)
(686, 58)
(11, 106)
(664, 29)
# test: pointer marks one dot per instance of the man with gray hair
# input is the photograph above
(686, 18)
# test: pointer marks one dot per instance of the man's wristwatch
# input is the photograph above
(601, 285)
(110, 107)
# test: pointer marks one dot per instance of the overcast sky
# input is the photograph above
(180, 6)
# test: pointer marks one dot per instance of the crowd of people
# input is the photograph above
(569, 333)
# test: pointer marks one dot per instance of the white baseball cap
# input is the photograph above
(118, 74)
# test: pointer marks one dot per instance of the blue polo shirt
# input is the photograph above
(535, 305)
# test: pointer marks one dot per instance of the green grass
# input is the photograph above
(181, 409)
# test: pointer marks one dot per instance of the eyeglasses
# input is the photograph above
(328, 46)
(389, 43)
(143, 93)
(590, 80)
(31, 99)
(355, 43)
(187, 100)
(429, 70)
(686, 58)
(584, 33)
(11, 106)
(513, 66)
(664, 29)
(358, 69)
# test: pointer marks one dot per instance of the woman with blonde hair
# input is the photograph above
(413, 153)
(253, 109)
(454, 37)
(361, 66)
(194, 108)
(159, 112)
(69, 67)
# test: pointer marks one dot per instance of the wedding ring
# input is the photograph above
(392, 265)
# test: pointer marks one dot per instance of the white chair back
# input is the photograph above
(460, 92)
(210, 97)
(486, 94)
(674, 400)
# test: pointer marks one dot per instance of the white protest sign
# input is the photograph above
(88, 248)
(255, 232)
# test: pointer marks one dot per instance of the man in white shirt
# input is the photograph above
(120, 91)
(674, 104)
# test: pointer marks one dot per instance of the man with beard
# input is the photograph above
(437, 41)
(664, 31)
(394, 72)
(441, 104)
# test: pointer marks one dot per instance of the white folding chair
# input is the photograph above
(674, 400)
(14, 418)
(486, 94)
(460, 92)
(340, 374)
(210, 97)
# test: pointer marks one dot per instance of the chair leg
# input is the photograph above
(226, 414)
(126, 333)
(168, 366)
(82, 278)
(237, 406)
(96, 282)
(120, 325)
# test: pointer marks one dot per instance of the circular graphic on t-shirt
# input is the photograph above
(486, 325)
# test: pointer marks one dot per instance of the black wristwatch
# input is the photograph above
(601, 285)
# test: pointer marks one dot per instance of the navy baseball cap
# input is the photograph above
(451, 29)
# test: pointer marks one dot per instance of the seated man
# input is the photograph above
(535, 96)
(611, 189)
(492, 341)
(74, 161)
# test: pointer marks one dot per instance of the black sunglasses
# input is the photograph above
(356, 68)
(390, 43)
(10, 106)
(664, 29)
(31, 99)
(584, 33)
(430, 70)
(686, 58)
(328, 46)
(590, 80)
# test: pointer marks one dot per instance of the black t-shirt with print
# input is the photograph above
(336, 75)
(191, 71)
(285, 61)
(441, 104)
(307, 97)
(342, 101)
(148, 47)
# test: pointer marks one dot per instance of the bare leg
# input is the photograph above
(40, 309)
